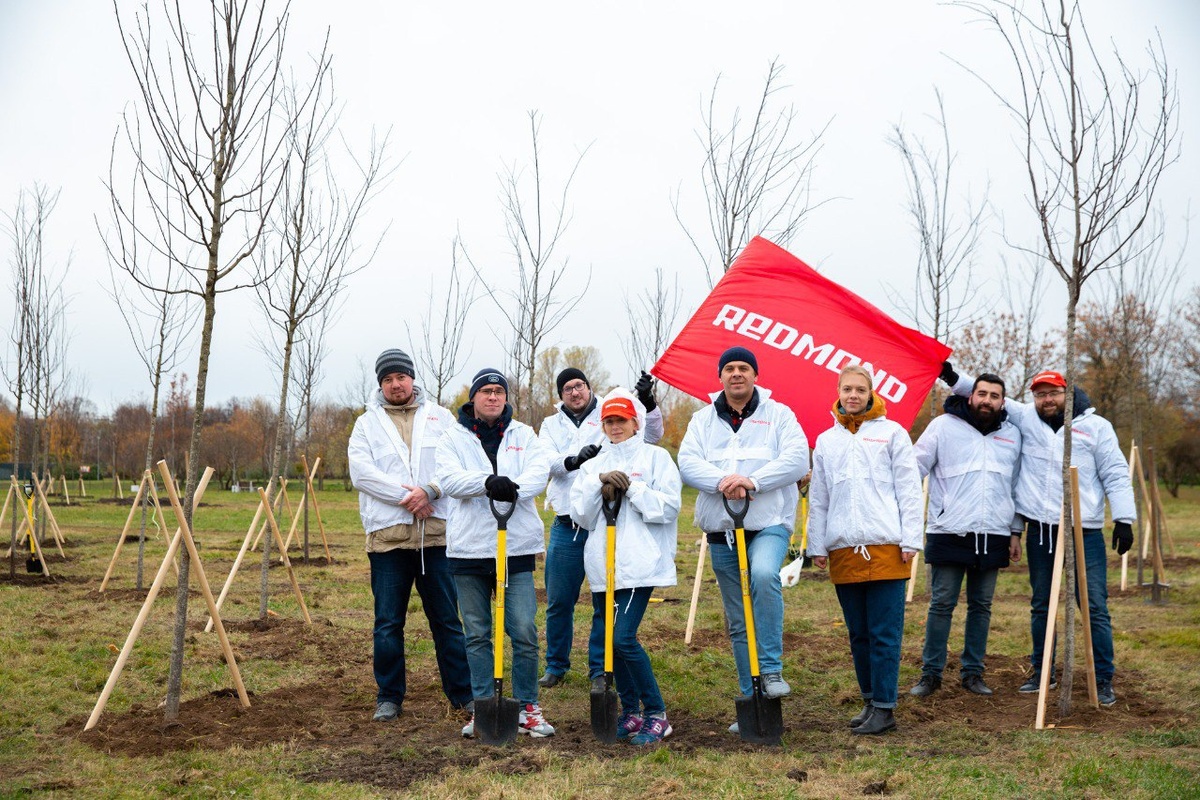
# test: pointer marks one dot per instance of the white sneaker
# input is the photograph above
(774, 686)
(468, 730)
(734, 729)
(532, 722)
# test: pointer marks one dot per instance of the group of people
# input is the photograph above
(429, 481)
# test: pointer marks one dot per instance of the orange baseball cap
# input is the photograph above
(1049, 378)
(618, 407)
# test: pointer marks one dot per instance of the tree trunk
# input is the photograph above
(1068, 532)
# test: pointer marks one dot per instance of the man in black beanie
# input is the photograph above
(574, 433)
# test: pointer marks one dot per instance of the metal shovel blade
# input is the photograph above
(33, 565)
(604, 712)
(760, 719)
(496, 719)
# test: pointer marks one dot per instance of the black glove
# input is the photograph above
(501, 488)
(588, 451)
(1122, 537)
(948, 376)
(645, 391)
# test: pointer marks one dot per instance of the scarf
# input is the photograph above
(875, 409)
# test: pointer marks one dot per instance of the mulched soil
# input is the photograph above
(333, 714)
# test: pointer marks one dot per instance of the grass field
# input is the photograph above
(308, 732)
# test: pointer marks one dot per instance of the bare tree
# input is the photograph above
(441, 328)
(757, 181)
(537, 303)
(1096, 136)
(211, 174)
(312, 248)
(309, 356)
(947, 238)
(652, 315)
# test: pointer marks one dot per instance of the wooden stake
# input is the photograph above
(112, 563)
(237, 562)
(1081, 588)
(1039, 722)
(308, 492)
(687, 636)
(286, 561)
(58, 537)
(313, 503)
(276, 505)
(147, 481)
(66, 494)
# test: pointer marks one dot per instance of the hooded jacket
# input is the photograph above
(380, 462)
(462, 468)
(769, 448)
(1103, 470)
(646, 520)
(564, 438)
(865, 490)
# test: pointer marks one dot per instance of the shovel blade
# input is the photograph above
(33, 565)
(496, 719)
(604, 712)
(760, 719)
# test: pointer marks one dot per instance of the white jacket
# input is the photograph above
(865, 490)
(380, 462)
(1103, 470)
(769, 448)
(564, 438)
(463, 467)
(971, 476)
(646, 532)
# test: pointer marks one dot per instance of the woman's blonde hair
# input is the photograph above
(857, 369)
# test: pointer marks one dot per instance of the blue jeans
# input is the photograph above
(765, 554)
(632, 672)
(564, 576)
(393, 574)
(874, 614)
(1041, 568)
(943, 597)
(520, 605)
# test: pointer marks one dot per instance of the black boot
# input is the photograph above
(880, 720)
(926, 686)
(862, 715)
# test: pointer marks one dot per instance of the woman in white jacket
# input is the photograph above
(865, 523)
(645, 555)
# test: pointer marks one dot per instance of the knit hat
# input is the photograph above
(618, 407)
(1048, 377)
(567, 375)
(737, 354)
(393, 360)
(488, 376)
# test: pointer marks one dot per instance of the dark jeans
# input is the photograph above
(944, 589)
(1039, 552)
(393, 574)
(632, 672)
(874, 614)
(564, 577)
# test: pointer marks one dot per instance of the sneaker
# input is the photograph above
(1034, 684)
(628, 725)
(774, 686)
(468, 730)
(1105, 693)
(653, 731)
(532, 722)
(549, 680)
(926, 686)
(735, 730)
(862, 715)
(975, 685)
(386, 711)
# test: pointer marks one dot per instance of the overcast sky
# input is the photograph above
(625, 81)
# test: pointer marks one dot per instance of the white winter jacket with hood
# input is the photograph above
(462, 468)
(971, 476)
(865, 490)
(380, 462)
(646, 522)
(564, 438)
(1103, 470)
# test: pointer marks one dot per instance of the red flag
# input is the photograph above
(803, 328)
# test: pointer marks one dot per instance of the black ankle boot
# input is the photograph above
(880, 720)
(862, 715)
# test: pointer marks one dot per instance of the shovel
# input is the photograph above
(760, 719)
(496, 716)
(604, 702)
(31, 564)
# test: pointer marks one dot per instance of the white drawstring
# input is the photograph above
(863, 551)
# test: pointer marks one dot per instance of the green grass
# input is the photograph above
(55, 657)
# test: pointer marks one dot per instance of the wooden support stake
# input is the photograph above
(124, 532)
(308, 492)
(237, 562)
(82, 487)
(1039, 722)
(58, 537)
(286, 561)
(687, 636)
(313, 503)
(276, 504)
(1081, 588)
(66, 494)
(147, 481)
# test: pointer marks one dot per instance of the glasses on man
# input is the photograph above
(574, 388)
(494, 391)
(1051, 393)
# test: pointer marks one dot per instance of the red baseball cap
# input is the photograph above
(618, 407)
(1049, 378)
